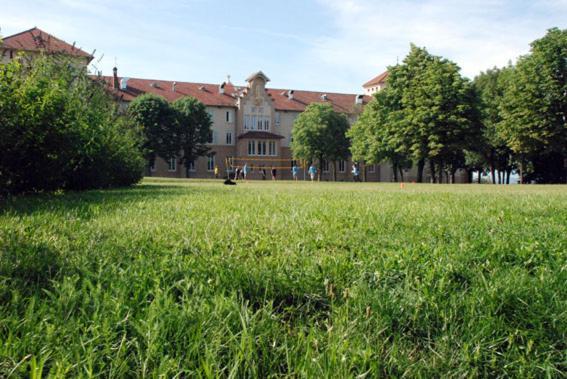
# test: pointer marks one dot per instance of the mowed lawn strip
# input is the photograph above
(194, 278)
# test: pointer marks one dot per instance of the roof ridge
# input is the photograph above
(17, 34)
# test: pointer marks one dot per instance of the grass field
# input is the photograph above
(196, 279)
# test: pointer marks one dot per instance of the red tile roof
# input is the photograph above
(209, 94)
(341, 102)
(37, 40)
(260, 135)
(377, 80)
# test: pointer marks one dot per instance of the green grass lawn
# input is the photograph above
(192, 278)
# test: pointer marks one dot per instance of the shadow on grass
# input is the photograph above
(83, 201)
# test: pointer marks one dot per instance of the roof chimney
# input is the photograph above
(359, 99)
(173, 85)
(290, 94)
(115, 83)
(324, 97)
(221, 87)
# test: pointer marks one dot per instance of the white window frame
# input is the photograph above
(272, 149)
(278, 118)
(192, 166)
(325, 165)
(172, 163)
(251, 147)
(342, 166)
(210, 163)
(371, 169)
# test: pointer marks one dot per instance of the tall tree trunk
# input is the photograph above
(401, 173)
(420, 166)
(499, 177)
(432, 169)
(479, 176)
(522, 171)
(492, 173)
(440, 172)
(395, 168)
(508, 173)
(334, 171)
(452, 176)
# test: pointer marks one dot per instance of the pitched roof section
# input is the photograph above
(377, 80)
(341, 102)
(37, 40)
(209, 94)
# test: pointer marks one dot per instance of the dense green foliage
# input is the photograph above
(196, 279)
(154, 115)
(178, 130)
(61, 130)
(514, 117)
(534, 109)
(194, 128)
(320, 133)
(492, 151)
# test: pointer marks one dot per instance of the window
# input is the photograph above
(259, 123)
(342, 166)
(210, 163)
(325, 165)
(278, 119)
(172, 164)
(272, 148)
(261, 147)
(228, 116)
(229, 138)
(211, 137)
(153, 166)
(371, 169)
(192, 166)
(266, 124)
(251, 147)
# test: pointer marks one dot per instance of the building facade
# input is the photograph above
(252, 125)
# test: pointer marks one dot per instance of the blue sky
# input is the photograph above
(327, 45)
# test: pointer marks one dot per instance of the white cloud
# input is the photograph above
(475, 34)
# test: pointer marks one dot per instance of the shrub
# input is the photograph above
(62, 130)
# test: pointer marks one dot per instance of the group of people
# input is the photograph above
(241, 173)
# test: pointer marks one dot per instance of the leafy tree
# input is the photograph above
(193, 128)
(491, 87)
(534, 109)
(320, 133)
(430, 114)
(157, 120)
(61, 130)
(372, 138)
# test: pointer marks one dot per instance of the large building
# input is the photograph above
(251, 124)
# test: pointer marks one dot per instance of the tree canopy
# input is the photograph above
(178, 130)
(320, 133)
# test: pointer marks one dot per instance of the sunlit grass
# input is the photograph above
(193, 278)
